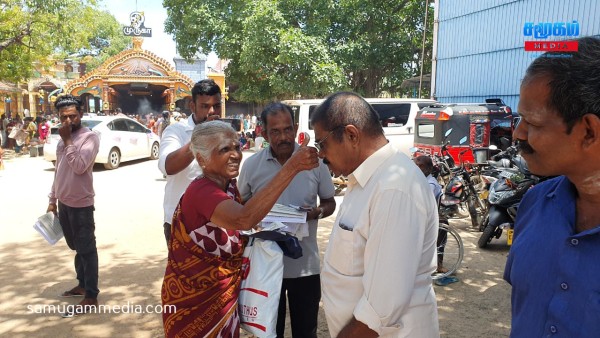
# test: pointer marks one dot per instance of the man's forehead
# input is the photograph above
(68, 110)
(208, 98)
(279, 115)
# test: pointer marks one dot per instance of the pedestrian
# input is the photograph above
(176, 160)
(3, 126)
(151, 123)
(425, 163)
(72, 197)
(31, 129)
(18, 134)
(376, 274)
(204, 268)
(301, 285)
(43, 130)
(164, 123)
(553, 262)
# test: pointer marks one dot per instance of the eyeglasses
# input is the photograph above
(319, 145)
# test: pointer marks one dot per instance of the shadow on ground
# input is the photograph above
(33, 274)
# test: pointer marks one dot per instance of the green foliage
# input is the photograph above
(35, 31)
(284, 48)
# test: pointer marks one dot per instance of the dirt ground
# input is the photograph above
(133, 257)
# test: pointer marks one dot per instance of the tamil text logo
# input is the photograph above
(561, 31)
(137, 26)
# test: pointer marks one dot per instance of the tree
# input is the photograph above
(282, 48)
(33, 32)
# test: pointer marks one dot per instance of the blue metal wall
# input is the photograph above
(480, 50)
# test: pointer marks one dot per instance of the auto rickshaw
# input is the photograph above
(482, 124)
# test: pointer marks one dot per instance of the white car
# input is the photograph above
(121, 139)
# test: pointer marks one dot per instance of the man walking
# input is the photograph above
(377, 269)
(176, 160)
(301, 281)
(72, 196)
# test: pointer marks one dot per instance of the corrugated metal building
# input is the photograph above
(480, 44)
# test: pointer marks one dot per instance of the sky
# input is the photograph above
(160, 43)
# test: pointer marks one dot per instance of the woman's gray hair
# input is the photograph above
(207, 136)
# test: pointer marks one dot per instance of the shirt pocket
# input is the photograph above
(341, 250)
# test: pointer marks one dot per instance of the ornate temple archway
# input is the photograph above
(135, 80)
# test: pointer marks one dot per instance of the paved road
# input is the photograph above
(133, 256)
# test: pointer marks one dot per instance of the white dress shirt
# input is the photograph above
(174, 137)
(382, 251)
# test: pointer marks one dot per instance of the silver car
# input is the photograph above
(121, 139)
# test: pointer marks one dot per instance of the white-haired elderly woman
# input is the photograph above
(203, 273)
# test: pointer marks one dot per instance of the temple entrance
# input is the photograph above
(138, 98)
(136, 81)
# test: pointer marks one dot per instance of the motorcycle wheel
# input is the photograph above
(486, 236)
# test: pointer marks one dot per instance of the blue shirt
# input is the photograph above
(435, 186)
(554, 271)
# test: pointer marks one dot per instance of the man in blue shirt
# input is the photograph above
(553, 263)
(425, 163)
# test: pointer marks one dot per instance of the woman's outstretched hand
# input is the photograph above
(305, 158)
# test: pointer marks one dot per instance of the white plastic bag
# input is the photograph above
(260, 290)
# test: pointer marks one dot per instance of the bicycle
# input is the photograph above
(450, 250)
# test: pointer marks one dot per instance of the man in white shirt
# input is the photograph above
(376, 275)
(176, 160)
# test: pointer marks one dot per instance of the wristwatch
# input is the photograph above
(321, 214)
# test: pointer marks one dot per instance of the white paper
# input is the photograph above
(49, 227)
(283, 213)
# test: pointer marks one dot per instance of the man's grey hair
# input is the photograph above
(207, 136)
(347, 108)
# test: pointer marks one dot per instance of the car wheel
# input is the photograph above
(114, 159)
(154, 151)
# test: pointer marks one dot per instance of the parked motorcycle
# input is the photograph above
(461, 188)
(505, 195)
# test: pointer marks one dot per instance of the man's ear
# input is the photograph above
(264, 134)
(353, 134)
(591, 127)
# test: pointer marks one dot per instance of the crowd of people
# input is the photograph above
(19, 133)
(375, 279)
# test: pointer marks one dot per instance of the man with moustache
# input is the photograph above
(553, 262)
(72, 197)
(176, 160)
(376, 274)
(301, 285)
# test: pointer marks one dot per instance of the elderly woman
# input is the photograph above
(203, 272)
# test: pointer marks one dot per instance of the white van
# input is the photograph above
(397, 116)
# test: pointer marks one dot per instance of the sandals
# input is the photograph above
(71, 294)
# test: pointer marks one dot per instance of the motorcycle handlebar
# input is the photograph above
(510, 152)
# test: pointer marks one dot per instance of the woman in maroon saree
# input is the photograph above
(203, 273)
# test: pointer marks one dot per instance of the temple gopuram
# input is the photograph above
(135, 80)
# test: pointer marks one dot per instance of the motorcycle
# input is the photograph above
(461, 197)
(461, 189)
(504, 197)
